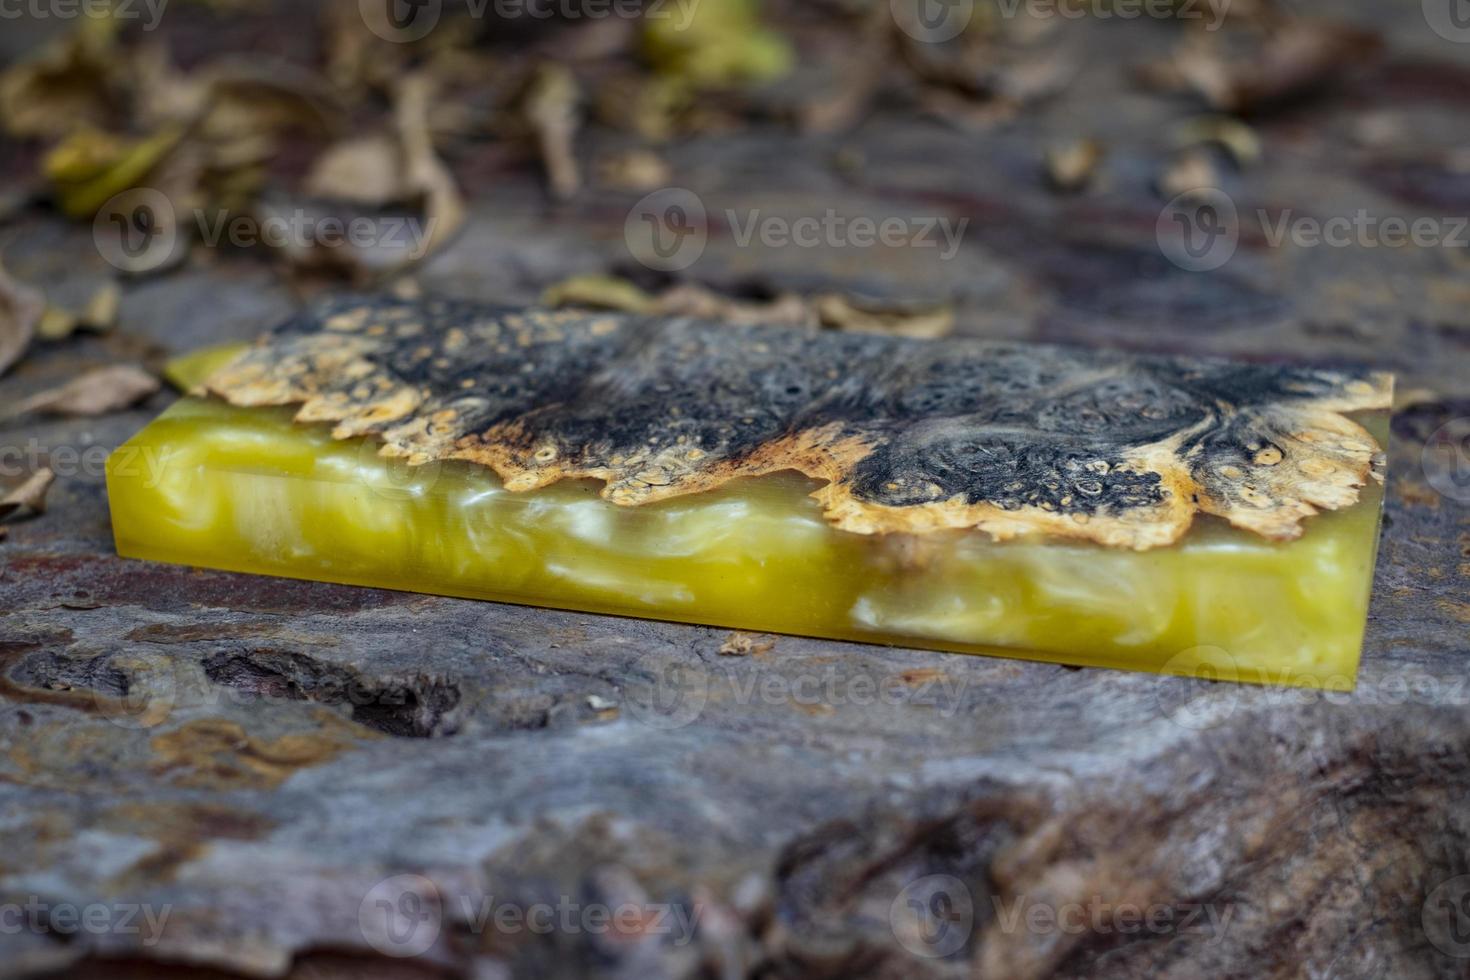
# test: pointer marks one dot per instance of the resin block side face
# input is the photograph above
(247, 489)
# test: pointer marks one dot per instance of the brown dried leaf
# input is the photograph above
(30, 495)
(551, 110)
(1189, 172)
(366, 170)
(740, 644)
(1298, 56)
(21, 309)
(857, 316)
(101, 390)
(1070, 165)
(634, 170)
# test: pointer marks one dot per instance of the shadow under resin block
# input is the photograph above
(1086, 507)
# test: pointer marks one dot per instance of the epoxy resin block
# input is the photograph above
(1086, 507)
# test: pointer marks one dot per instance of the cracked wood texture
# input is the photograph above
(257, 756)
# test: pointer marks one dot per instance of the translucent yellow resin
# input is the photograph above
(247, 490)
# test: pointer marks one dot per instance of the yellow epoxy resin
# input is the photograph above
(245, 489)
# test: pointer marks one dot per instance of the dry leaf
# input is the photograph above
(366, 170)
(634, 170)
(56, 324)
(1070, 165)
(30, 495)
(599, 293)
(1299, 55)
(99, 315)
(1190, 171)
(551, 110)
(68, 83)
(104, 389)
(1235, 137)
(739, 644)
(862, 316)
(21, 309)
(426, 175)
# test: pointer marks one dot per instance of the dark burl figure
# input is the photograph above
(909, 435)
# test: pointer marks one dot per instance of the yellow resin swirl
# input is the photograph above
(247, 490)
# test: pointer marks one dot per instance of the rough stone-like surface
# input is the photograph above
(256, 755)
(909, 435)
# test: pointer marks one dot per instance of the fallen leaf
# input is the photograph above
(56, 324)
(1190, 171)
(1070, 165)
(551, 111)
(599, 293)
(21, 309)
(634, 170)
(30, 495)
(366, 170)
(1297, 56)
(101, 390)
(740, 644)
(1236, 138)
(862, 316)
(716, 45)
(91, 166)
(67, 83)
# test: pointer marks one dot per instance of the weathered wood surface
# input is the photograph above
(255, 756)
